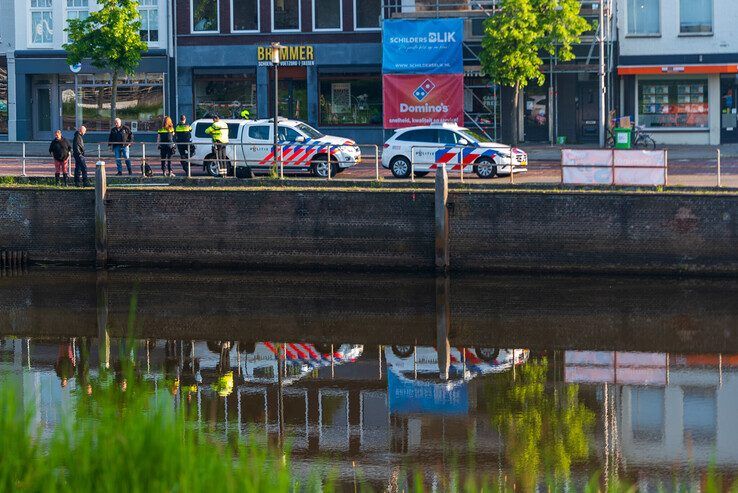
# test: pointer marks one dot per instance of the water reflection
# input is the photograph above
(413, 373)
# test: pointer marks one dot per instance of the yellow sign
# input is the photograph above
(290, 56)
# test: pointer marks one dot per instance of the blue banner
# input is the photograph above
(430, 46)
(422, 397)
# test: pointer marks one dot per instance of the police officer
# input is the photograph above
(183, 137)
(218, 131)
(165, 138)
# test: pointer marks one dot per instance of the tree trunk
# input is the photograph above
(113, 97)
(516, 115)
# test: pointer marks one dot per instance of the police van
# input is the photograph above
(423, 149)
(303, 149)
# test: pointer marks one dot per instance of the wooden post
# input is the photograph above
(101, 226)
(443, 322)
(441, 220)
(103, 341)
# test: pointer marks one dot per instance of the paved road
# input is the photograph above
(685, 172)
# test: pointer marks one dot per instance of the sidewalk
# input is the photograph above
(546, 152)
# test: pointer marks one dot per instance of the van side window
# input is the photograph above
(427, 135)
(259, 132)
(202, 126)
(287, 134)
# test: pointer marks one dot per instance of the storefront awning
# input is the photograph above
(677, 69)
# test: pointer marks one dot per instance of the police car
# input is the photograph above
(303, 148)
(428, 147)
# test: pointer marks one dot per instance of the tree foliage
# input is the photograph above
(518, 34)
(110, 38)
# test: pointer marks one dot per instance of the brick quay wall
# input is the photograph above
(378, 229)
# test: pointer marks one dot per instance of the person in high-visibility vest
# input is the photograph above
(165, 138)
(245, 114)
(218, 131)
(183, 136)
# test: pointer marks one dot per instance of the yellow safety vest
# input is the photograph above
(218, 131)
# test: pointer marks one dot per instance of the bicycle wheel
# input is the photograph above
(645, 142)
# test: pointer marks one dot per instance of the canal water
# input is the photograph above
(379, 377)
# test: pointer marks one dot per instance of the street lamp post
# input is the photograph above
(276, 48)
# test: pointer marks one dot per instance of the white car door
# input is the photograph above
(257, 145)
(423, 149)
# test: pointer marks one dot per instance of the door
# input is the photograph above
(535, 114)
(587, 112)
(728, 109)
(42, 115)
(257, 144)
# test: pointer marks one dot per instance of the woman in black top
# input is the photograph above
(165, 138)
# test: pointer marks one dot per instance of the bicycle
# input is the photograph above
(639, 140)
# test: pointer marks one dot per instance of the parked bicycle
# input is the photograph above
(640, 139)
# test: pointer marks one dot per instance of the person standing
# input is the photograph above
(60, 150)
(218, 131)
(78, 152)
(183, 136)
(165, 138)
(119, 140)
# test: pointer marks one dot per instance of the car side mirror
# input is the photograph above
(300, 138)
(463, 142)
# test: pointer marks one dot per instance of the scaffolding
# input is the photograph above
(482, 108)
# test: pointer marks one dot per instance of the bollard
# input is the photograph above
(719, 177)
(281, 163)
(143, 159)
(441, 220)
(328, 164)
(461, 166)
(24, 160)
(189, 166)
(99, 151)
(101, 227)
(376, 162)
(666, 168)
(512, 167)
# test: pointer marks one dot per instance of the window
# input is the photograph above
(367, 13)
(204, 16)
(140, 102)
(428, 135)
(149, 11)
(673, 103)
(42, 22)
(643, 17)
(285, 15)
(201, 127)
(78, 9)
(244, 15)
(3, 95)
(327, 15)
(448, 137)
(224, 95)
(700, 414)
(287, 134)
(351, 101)
(259, 132)
(647, 413)
(695, 16)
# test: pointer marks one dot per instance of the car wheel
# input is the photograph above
(319, 167)
(420, 174)
(323, 348)
(485, 168)
(488, 354)
(403, 351)
(400, 167)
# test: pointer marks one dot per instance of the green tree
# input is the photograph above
(110, 38)
(545, 432)
(518, 33)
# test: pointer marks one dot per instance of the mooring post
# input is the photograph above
(443, 327)
(101, 226)
(441, 213)
(101, 289)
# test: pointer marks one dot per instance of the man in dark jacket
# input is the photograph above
(60, 150)
(119, 140)
(78, 151)
(183, 136)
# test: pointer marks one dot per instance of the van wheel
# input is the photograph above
(485, 168)
(319, 167)
(400, 167)
(403, 351)
(488, 354)
(211, 166)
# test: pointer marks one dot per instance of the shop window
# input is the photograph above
(244, 15)
(204, 16)
(673, 103)
(225, 95)
(367, 13)
(695, 16)
(140, 103)
(149, 11)
(643, 17)
(42, 22)
(327, 15)
(354, 101)
(3, 95)
(285, 15)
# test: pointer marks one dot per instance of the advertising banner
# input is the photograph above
(423, 99)
(619, 167)
(431, 46)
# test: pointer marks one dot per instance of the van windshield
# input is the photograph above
(309, 131)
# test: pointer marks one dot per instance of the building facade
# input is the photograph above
(678, 68)
(7, 75)
(330, 74)
(55, 96)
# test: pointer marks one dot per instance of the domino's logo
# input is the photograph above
(423, 90)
